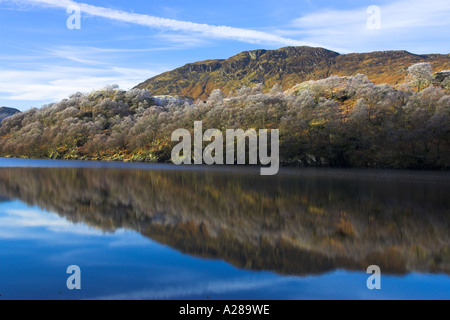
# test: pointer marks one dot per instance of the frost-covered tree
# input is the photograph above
(421, 74)
(346, 121)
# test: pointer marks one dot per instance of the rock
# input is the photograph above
(441, 76)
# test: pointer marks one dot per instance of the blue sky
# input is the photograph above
(126, 42)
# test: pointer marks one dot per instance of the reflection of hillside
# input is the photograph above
(292, 225)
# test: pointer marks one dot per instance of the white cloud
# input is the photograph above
(15, 221)
(399, 14)
(75, 54)
(213, 287)
(408, 25)
(211, 31)
(51, 83)
(55, 73)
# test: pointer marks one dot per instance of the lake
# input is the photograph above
(156, 231)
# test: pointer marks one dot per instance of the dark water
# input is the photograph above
(140, 231)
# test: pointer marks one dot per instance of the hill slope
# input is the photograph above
(286, 66)
(7, 112)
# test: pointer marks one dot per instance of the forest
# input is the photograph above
(333, 122)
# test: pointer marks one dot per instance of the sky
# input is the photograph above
(50, 49)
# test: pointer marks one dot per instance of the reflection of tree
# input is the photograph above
(289, 224)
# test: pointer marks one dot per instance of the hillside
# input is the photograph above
(332, 122)
(7, 112)
(287, 67)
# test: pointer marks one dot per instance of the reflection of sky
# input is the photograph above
(37, 246)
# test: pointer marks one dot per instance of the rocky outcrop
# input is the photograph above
(441, 76)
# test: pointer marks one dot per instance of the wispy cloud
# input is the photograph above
(76, 54)
(396, 15)
(210, 31)
(404, 25)
(213, 287)
(14, 222)
(51, 83)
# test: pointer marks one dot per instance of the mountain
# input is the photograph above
(7, 112)
(287, 67)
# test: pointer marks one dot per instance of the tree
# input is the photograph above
(421, 74)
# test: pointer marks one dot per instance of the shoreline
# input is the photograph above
(380, 174)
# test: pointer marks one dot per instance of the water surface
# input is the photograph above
(145, 231)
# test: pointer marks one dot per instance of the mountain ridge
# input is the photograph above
(287, 67)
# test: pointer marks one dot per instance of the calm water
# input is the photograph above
(141, 231)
